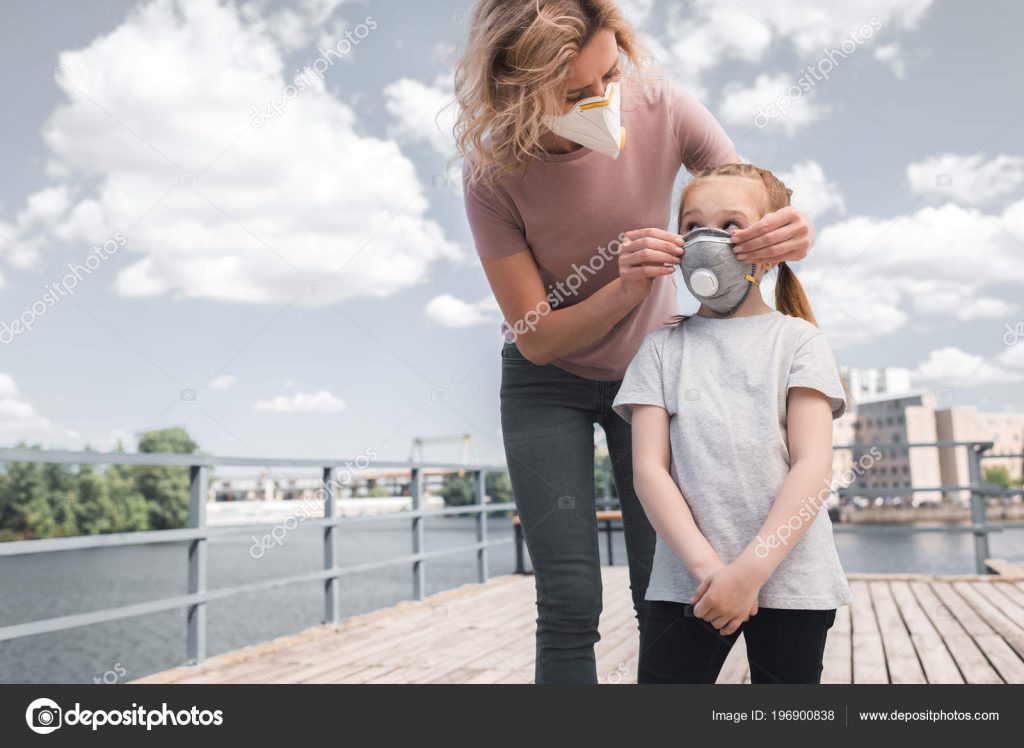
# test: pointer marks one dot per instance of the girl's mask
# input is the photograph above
(712, 272)
(594, 122)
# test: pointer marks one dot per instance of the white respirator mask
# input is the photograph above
(594, 122)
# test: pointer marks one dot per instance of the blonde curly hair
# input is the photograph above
(518, 58)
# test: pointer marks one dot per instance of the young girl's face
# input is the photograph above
(723, 202)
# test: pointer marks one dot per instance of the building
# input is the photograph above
(866, 384)
(908, 418)
(965, 423)
(913, 417)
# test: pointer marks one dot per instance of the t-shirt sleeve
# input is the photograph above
(495, 231)
(642, 382)
(814, 366)
(702, 141)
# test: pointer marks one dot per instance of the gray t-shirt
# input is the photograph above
(724, 383)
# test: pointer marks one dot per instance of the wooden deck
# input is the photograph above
(901, 629)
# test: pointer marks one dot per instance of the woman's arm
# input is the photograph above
(660, 496)
(543, 335)
(726, 595)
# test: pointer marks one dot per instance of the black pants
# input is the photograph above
(783, 645)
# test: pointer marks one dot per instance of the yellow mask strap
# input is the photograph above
(752, 279)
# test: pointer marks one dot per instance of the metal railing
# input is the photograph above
(978, 525)
(198, 534)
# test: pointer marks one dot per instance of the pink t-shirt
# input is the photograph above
(568, 209)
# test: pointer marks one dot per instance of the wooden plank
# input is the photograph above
(1004, 597)
(1013, 593)
(900, 655)
(1005, 568)
(970, 660)
(869, 665)
(936, 661)
(1011, 633)
(311, 639)
(996, 650)
(735, 668)
(912, 628)
(837, 663)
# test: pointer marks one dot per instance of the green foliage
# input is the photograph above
(499, 488)
(165, 488)
(601, 462)
(997, 474)
(459, 491)
(51, 500)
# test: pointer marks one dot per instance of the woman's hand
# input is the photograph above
(783, 235)
(643, 257)
(726, 598)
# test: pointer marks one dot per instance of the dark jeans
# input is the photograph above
(783, 645)
(547, 422)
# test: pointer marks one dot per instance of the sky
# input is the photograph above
(241, 218)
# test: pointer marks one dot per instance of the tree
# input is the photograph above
(165, 489)
(459, 491)
(131, 512)
(499, 488)
(94, 510)
(25, 507)
(997, 474)
(600, 463)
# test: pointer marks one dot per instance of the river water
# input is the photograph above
(48, 585)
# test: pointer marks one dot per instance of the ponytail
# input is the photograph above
(790, 297)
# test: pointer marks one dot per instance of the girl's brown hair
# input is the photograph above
(789, 294)
(517, 62)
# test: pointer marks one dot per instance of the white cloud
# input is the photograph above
(952, 366)
(696, 41)
(19, 420)
(706, 33)
(1013, 356)
(164, 152)
(423, 113)
(892, 56)
(811, 25)
(294, 28)
(448, 311)
(813, 194)
(320, 401)
(949, 261)
(222, 382)
(770, 103)
(971, 179)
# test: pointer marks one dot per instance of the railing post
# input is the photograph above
(418, 576)
(978, 514)
(331, 607)
(520, 560)
(611, 544)
(197, 551)
(481, 525)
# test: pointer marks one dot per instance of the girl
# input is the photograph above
(731, 412)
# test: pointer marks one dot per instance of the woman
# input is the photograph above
(571, 237)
